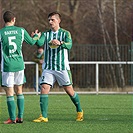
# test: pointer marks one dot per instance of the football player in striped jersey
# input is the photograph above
(57, 43)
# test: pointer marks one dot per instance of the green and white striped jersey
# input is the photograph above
(11, 39)
(56, 58)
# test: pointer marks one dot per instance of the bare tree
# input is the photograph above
(101, 8)
(117, 43)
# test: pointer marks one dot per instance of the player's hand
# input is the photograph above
(36, 32)
(56, 42)
(32, 34)
(39, 34)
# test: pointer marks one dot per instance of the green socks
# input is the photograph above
(44, 104)
(11, 107)
(75, 100)
(20, 104)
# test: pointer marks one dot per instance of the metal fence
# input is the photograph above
(116, 77)
(111, 77)
(106, 81)
(101, 52)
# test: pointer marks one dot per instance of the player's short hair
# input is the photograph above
(54, 13)
(8, 16)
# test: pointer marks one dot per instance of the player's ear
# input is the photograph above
(14, 19)
(59, 20)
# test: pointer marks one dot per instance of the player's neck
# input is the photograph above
(9, 24)
(55, 29)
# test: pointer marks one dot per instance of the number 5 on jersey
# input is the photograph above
(13, 44)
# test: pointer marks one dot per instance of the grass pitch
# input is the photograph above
(102, 114)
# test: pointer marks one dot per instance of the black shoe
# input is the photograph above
(19, 120)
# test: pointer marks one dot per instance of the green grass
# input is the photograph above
(102, 114)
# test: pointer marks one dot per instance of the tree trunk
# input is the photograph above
(1, 20)
(117, 46)
(100, 12)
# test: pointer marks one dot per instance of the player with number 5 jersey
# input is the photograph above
(11, 38)
(12, 64)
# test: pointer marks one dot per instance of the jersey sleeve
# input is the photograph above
(28, 39)
(41, 40)
(67, 43)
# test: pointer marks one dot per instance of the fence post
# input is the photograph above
(37, 78)
(97, 78)
(132, 64)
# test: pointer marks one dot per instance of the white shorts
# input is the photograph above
(9, 79)
(63, 77)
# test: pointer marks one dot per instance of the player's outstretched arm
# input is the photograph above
(41, 39)
(31, 40)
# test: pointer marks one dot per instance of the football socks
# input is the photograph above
(20, 104)
(11, 107)
(44, 104)
(76, 101)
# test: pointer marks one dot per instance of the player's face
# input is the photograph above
(54, 21)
